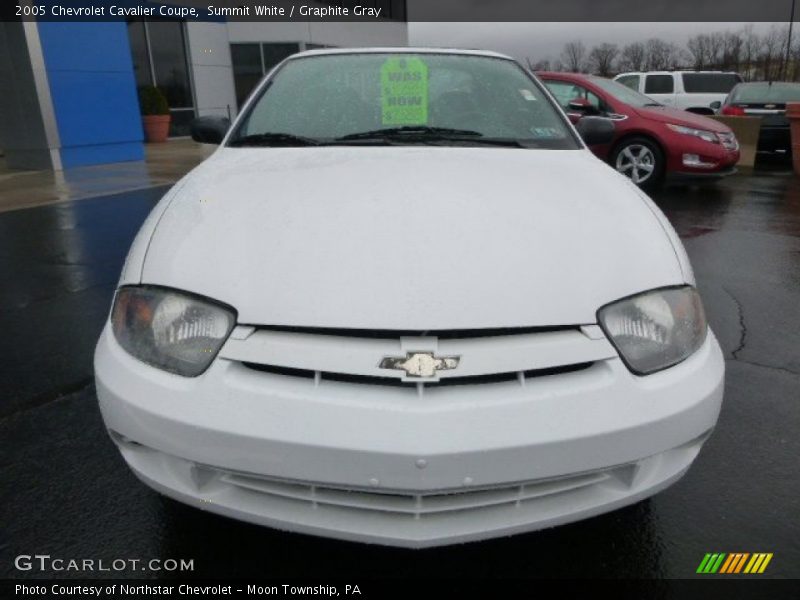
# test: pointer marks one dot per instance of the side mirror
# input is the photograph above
(715, 105)
(583, 106)
(595, 130)
(209, 130)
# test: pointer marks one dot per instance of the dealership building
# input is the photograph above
(70, 88)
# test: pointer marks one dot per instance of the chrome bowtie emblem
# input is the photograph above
(420, 364)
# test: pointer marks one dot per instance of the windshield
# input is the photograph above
(623, 93)
(764, 93)
(403, 98)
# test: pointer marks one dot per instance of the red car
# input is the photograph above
(651, 141)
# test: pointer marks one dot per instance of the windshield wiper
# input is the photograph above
(423, 133)
(490, 141)
(410, 131)
(653, 104)
(273, 139)
(382, 136)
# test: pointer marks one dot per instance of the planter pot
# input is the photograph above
(156, 128)
(793, 114)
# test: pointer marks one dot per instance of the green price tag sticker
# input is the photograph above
(404, 92)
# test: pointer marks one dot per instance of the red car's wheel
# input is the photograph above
(639, 159)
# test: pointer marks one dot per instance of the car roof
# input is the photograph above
(401, 50)
(676, 71)
(766, 83)
(564, 75)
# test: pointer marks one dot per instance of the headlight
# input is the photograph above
(170, 330)
(708, 136)
(655, 330)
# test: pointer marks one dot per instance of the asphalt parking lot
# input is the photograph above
(67, 493)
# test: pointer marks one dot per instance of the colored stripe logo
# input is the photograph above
(734, 563)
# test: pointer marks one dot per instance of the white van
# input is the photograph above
(694, 91)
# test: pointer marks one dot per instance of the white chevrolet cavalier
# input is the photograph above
(403, 303)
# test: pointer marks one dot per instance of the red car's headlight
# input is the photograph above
(708, 136)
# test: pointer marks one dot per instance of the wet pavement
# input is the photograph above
(67, 493)
(164, 164)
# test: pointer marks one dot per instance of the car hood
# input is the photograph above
(410, 237)
(666, 114)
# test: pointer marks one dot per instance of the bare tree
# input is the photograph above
(662, 55)
(718, 50)
(601, 59)
(633, 57)
(751, 49)
(540, 65)
(793, 68)
(698, 47)
(716, 43)
(756, 57)
(573, 56)
(732, 51)
(773, 44)
(786, 54)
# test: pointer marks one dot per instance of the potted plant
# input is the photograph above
(155, 114)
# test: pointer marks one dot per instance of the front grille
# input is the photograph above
(358, 357)
(394, 381)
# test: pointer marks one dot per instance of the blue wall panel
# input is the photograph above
(90, 72)
(78, 156)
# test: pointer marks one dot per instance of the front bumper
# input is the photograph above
(384, 467)
(724, 160)
(689, 176)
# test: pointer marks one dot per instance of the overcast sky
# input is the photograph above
(546, 40)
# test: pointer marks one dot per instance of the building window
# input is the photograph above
(252, 61)
(140, 54)
(158, 50)
(247, 69)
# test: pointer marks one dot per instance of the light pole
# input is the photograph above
(788, 43)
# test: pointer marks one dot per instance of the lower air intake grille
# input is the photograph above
(417, 505)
